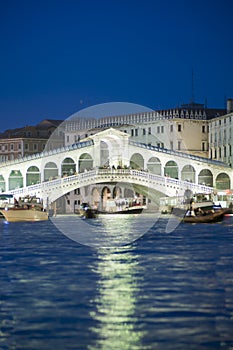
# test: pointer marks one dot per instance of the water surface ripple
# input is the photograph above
(163, 291)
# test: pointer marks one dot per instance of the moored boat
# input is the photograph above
(26, 209)
(24, 214)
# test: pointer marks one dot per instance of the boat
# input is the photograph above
(122, 206)
(6, 200)
(26, 209)
(86, 212)
(211, 217)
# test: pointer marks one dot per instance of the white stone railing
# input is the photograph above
(54, 188)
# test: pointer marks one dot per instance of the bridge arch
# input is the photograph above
(137, 161)
(154, 165)
(85, 162)
(68, 167)
(223, 181)
(32, 175)
(117, 192)
(171, 169)
(95, 195)
(188, 173)
(205, 177)
(2, 184)
(50, 171)
(105, 195)
(15, 180)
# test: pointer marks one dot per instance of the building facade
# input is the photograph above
(21, 142)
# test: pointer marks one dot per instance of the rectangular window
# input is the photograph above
(171, 128)
(171, 145)
(179, 127)
(179, 145)
(35, 146)
(203, 146)
(203, 128)
(149, 130)
(12, 147)
(162, 129)
(158, 129)
(132, 132)
(67, 138)
(136, 132)
(225, 150)
(143, 131)
(19, 146)
(26, 146)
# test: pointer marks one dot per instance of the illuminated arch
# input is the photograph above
(223, 181)
(188, 173)
(154, 165)
(32, 176)
(85, 162)
(50, 171)
(2, 184)
(15, 180)
(137, 161)
(68, 167)
(205, 177)
(171, 169)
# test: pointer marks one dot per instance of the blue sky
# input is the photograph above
(58, 57)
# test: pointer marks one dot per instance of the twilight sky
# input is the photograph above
(58, 57)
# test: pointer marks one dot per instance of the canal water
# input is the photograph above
(164, 290)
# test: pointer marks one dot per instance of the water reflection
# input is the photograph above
(106, 231)
(117, 324)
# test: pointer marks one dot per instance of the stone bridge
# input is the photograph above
(111, 157)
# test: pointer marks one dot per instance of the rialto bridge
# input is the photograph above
(111, 157)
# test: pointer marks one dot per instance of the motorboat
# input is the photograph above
(25, 209)
(86, 212)
(210, 217)
(122, 206)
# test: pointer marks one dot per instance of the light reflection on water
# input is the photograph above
(117, 323)
(163, 291)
